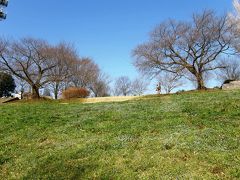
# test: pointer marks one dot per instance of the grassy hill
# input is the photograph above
(187, 136)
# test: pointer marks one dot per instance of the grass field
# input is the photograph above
(186, 136)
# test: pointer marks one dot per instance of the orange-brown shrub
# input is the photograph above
(74, 92)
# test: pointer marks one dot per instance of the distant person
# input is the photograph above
(158, 89)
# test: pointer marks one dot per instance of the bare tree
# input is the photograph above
(169, 82)
(139, 86)
(234, 18)
(65, 56)
(123, 86)
(46, 92)
(186, 47)
(87, 74)
(100, 86)
(235, 15)
(85, 71)
(22, 86)
(27, 59)
(231, 70)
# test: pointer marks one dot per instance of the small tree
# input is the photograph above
(169, 82)
(21, 86)
(123, 86)
(85, 71)
(7, 84)
(100, 86)
(139, 86)
(231, 70)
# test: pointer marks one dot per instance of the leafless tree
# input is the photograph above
(85, 71)
(22, 86)
(65, 56)
(186, 47)
(100, 86)
(28, 59)
(123, 86)
(234, 18)
(139, 86)
(46, 92)
(87, 74)
(169, 82)
(231, 70)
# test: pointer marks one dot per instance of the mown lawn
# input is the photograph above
(187, 136)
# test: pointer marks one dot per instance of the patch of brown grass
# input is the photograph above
(107, 99)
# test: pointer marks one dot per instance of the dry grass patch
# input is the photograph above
(108, 99)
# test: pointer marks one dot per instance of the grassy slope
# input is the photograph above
(194, 135)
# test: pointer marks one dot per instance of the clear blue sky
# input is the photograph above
(106, 30)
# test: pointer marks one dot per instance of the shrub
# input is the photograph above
(217, 87)
(7, 84)
(181, 91)
(75, 93)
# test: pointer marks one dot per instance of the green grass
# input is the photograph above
(187, 136)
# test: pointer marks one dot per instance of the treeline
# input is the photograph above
(58, 70)
(36, 63)
(197, 50)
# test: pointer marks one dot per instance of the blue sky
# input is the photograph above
(106, 30)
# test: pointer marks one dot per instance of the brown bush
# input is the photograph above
(75, 93)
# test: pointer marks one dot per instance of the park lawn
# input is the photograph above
(186, 136)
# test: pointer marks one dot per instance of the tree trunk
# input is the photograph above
(200, 82)
(56, 90)
(22, 92)
(95, 93)
(35, 92)
(55, 94)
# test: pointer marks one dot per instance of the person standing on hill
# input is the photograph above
(158, 89)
